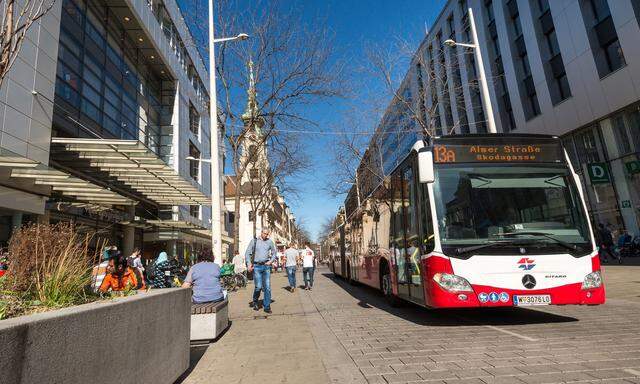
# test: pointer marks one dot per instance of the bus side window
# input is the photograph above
(428, 241)
(396, 241)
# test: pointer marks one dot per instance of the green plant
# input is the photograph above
(50, 265)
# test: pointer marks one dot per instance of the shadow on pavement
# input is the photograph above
(368, 298)
(198, 350)
(196, 353)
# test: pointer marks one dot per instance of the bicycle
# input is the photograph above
(228, 282)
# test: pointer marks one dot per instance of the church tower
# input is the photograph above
(253, 148)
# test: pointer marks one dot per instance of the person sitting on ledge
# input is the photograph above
(204, 279)
(119, 276)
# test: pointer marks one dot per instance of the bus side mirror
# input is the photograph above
(425, 167)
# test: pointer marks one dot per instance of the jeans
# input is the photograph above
(291, 274)
(262, 281)
(307, 272)
(608, 250)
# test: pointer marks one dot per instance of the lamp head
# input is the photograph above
(450, 43)
(242, 36)
(190, 158)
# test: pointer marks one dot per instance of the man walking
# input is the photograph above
(260, 254)
(606, 243)
(291, 256)
(308, 266)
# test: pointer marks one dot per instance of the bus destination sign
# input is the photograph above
(497, 153)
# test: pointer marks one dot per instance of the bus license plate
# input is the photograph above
(525, 300)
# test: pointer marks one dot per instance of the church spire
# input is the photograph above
(250, 115)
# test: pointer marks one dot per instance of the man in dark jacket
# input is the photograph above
(606, 243)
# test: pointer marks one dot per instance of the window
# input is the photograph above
(232, 217)
(603, 37)
(254, 174)
(194, 165)
(620, 133)
(252, 216)
(194, 211)
(636, 9)
(91, 73)
(194, 120)
(502, 93)
(527, 90)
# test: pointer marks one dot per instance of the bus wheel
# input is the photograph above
(385, 286)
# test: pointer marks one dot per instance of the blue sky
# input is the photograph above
(354, 24)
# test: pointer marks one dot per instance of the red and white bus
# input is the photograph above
(474, 221)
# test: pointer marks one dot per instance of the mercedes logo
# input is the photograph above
(523, 251)
(528, 281)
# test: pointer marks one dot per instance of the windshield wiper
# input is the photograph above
(491, 243)
(570, 246)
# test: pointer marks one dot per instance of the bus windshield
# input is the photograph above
(534, 205)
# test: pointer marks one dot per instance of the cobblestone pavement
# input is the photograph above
(347, 334)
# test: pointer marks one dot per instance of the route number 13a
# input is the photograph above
(442, 155)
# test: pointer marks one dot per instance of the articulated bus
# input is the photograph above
(475, 221)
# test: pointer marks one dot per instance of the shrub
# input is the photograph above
(50, 265)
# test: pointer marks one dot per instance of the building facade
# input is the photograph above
(261, 203)
(108, 101)
(569, 68)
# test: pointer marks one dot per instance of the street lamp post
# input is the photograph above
(484, 86)
(216, 225)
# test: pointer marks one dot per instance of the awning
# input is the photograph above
(136, 166)
(178, 224)
(70, 186)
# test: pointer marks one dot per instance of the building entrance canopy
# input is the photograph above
(26, 174)
(136, 166)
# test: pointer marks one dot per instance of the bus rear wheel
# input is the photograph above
(385, 286)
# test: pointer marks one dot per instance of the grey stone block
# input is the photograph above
(138, 339)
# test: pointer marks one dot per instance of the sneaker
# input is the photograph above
(255, 307)
(293, 289)
(267, 310)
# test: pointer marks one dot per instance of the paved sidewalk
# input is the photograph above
(340, 333)
(289, 346)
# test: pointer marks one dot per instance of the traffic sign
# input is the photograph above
(598, 173)
(633, 167)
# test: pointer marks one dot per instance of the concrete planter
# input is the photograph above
(136, 339)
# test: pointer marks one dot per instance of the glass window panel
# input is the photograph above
(110, 125)
(620, 133)
(68, 76)
(67, 93)
(68, 58)
(129, 113)
(91, 110)
(91, 94)
(92, 79)
(94, 34)
(111, 96)
(128, 100)
(70, 42)
(552, 43)
(615, 56)
(73, 12)
(112, 111)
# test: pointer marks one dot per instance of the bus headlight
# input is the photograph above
(452, 283)
(592, 280)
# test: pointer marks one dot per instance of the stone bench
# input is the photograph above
(209, 320)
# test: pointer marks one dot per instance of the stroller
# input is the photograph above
(230, 280)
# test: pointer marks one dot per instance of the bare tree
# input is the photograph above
(293, 68)
(418, 102)
(17, 18)
(301, 233)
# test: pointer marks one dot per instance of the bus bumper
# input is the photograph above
(486, 296)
